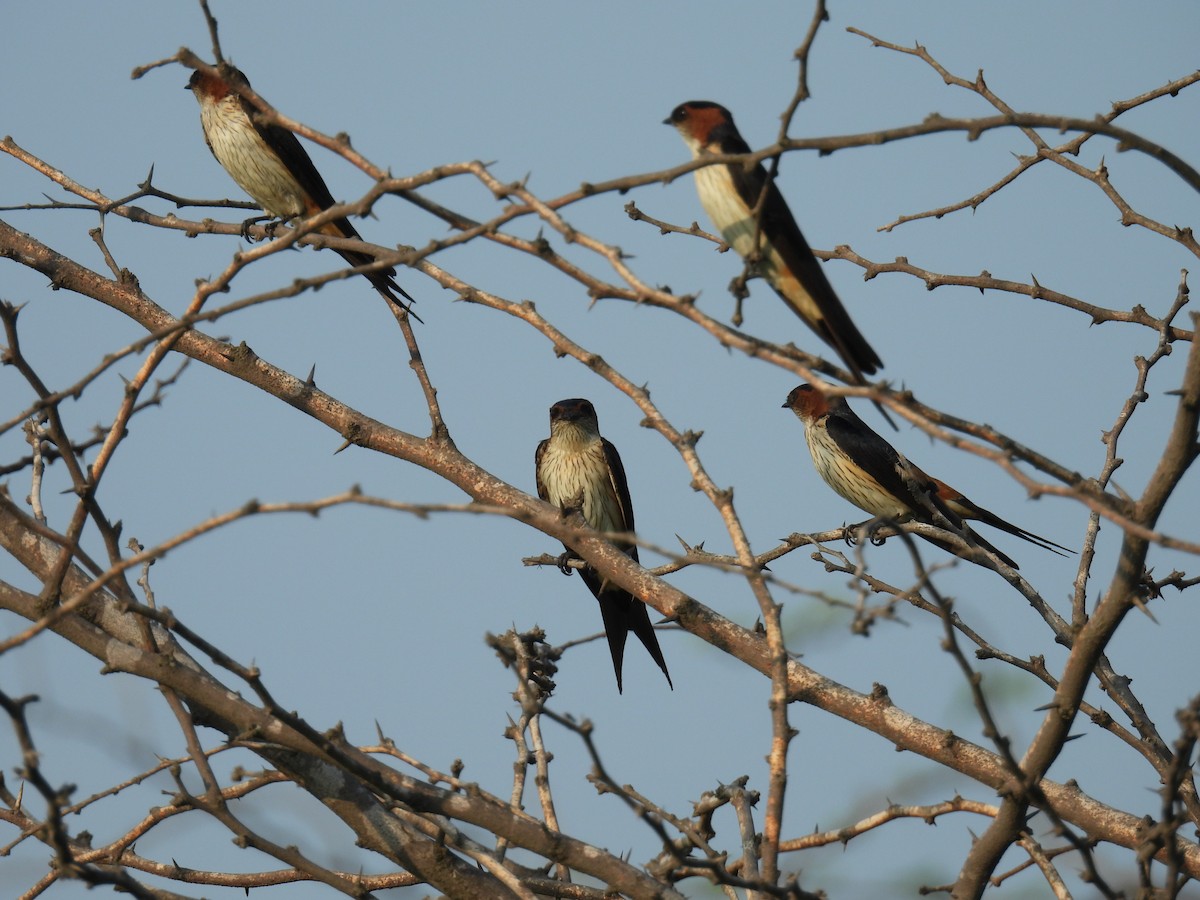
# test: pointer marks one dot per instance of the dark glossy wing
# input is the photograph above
(872, 453)
(937, 497)
(300, 164)
(289, 149)
(779, 225)
(537, 468)
(616, 473)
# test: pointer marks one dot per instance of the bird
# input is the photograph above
(729, 193)
(270, 164)
(869, 472)
(577, 468)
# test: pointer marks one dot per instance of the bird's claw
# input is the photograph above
(849, 536)
(272, 224)
(870, 528)
(564, 563)
(873, 528)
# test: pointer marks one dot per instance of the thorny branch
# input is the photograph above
(411, 822)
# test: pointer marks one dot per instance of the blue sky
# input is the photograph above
(362, 616)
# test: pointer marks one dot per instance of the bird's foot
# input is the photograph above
(870, 529)
(564, 562)
(272, 224)
(848, 534)
(852, 533)
(873, 529)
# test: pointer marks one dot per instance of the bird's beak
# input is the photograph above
(667, 121)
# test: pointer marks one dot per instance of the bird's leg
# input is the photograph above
(870, 529)
(273, 225)
(873, 528)
(572, 507)
(564, 562)
(848, 533)
(254, 220)
(740, 292)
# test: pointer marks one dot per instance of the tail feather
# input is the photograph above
(844, 337)
(962, 553)
(639, 624)
(623, 613)
(990, 518)
(613, 606)
(383, 280)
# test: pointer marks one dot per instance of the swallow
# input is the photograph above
(729, 193)
(869, 472)
(271, 165)
(577, 468)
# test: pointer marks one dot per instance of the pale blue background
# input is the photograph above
(362, 617)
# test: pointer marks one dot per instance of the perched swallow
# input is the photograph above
(270, 164)
(729, 193)
(868, 471)
(579, 469)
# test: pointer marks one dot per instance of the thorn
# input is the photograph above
(1140, 604)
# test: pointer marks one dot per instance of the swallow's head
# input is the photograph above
(807, 403)
(576, 411)
(701, 123)
(206, 87)
(211, 87)
(574, 421)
